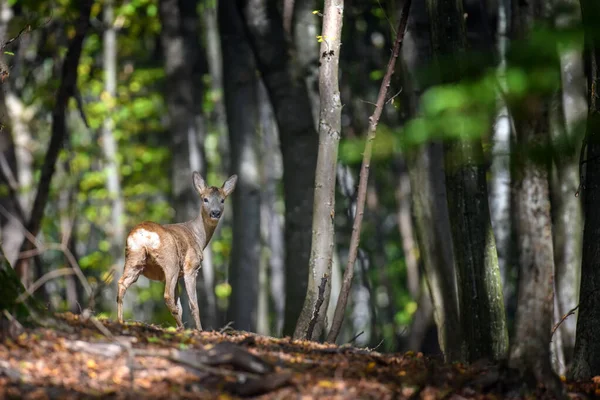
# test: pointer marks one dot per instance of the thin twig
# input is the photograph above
(364, 177)
(359, 334)
(9, 41)
(40, 282)
(564, 317)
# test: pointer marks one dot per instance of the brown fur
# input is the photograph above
(169, 252)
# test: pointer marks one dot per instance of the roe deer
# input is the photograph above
(169, 252)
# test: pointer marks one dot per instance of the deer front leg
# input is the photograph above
(190, 287)
(170, 297)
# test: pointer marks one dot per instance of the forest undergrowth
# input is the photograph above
(91, 358)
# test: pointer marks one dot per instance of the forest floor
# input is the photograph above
(88, 358)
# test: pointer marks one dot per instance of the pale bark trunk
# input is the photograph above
(330, 126)
(530, 348)
(566, 207)
(241, 98)
(116, 229)
(218, 121)
(272, 217)
(299, 143)
(499, 193)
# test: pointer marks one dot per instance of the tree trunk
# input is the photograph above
(65, 91)
(242, 117)
(430, 207)
(116, 230)
(530, 349)
(566, 207)
(586, 359)
(272, 218)
(305, 50)
(179, 40)
(330, 126)
(218, 122)
(479, 286)
(299, 143)
(499, 192)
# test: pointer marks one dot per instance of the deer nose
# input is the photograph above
(215, 214)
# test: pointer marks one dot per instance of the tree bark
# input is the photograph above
(299, 143)
(428, 192)
(272, 218)
(566, 207)
(330, 126)
(182, 51)
(364, 176)
(116, 229)
(305, 50)
(479, 285)
(65, 91)
(239, 77)
(586, 359)
(530, 349)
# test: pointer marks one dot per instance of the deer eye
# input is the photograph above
(205, 199)
(222, 201)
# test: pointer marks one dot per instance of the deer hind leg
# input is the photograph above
(131, 272)
(190, 287)
(171, 297)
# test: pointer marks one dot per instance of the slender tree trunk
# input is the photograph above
(330, 126)
(217, 121)
(116, 229)
(499, 192)
(305, 50)
(59, 132)
(242, 119)
(272, 218)
(429, 203)
(299, 143)
(406, 229)
(586, 359)
(566, 207)
(364, 174)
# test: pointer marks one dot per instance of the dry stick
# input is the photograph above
(564, 317)
(340, 308)
(45, 278)
(318, 303)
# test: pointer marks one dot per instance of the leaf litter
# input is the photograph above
(147, 361)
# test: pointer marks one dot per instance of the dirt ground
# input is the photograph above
(103, 359)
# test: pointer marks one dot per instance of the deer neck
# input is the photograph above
(203, 229)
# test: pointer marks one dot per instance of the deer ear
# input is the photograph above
(229, 185)
(199, 183)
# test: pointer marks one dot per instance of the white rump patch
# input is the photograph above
(143, 238)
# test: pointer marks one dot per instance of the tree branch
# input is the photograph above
(340, 308)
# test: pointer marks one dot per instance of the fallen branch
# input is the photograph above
(340, 308)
